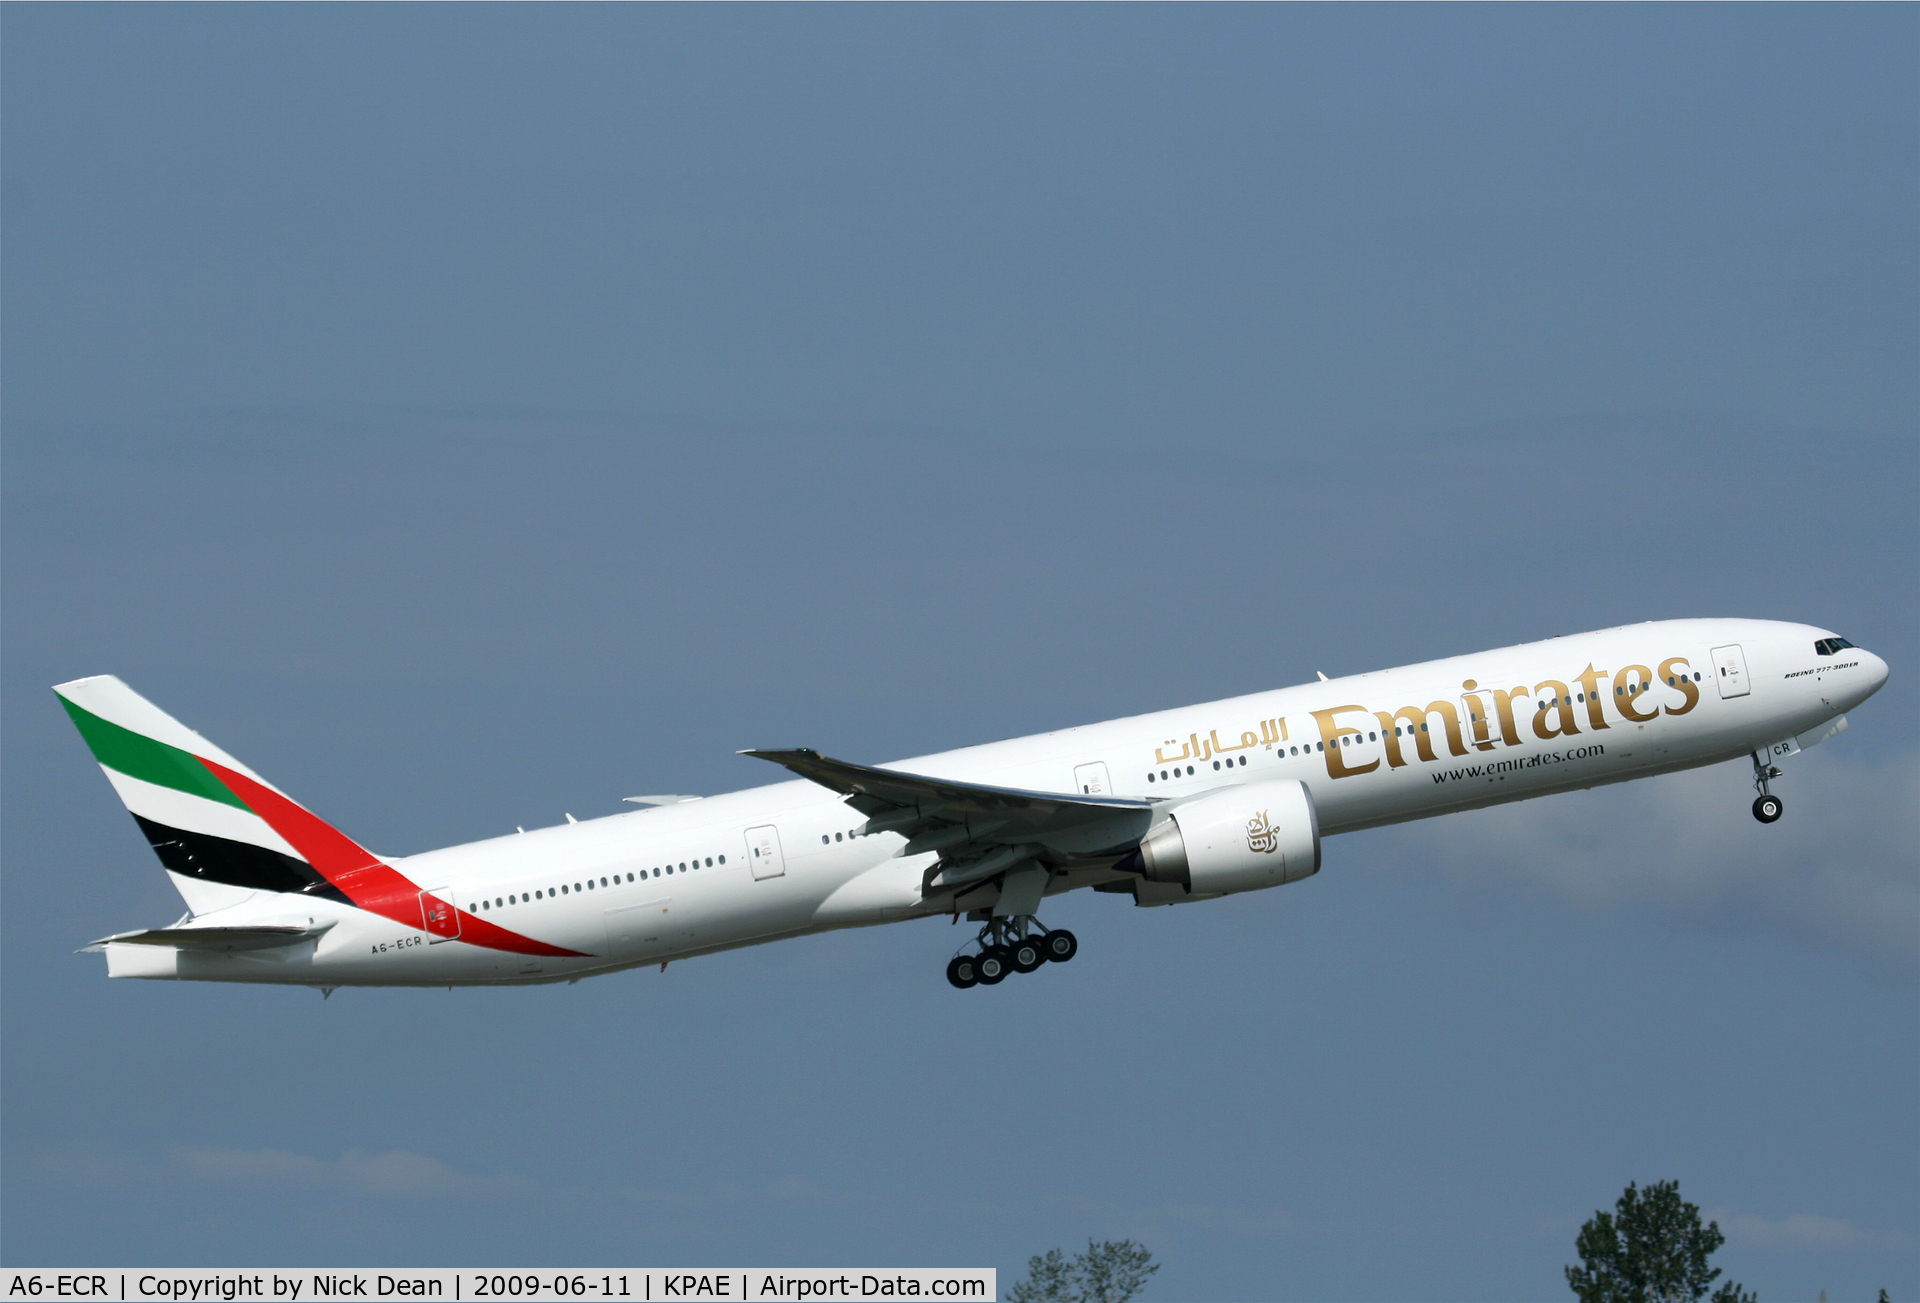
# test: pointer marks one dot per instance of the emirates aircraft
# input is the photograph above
(1169, 808)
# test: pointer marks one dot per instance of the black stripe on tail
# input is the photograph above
(237, 864)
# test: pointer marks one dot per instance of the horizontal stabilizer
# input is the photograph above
(214, 938)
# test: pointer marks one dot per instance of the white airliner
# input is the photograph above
(1168, 808)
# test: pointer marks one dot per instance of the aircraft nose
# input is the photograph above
(1876, 671)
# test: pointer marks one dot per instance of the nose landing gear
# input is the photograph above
(1010, 945)
(1766, 807)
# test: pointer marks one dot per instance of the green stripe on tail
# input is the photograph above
(143, 758)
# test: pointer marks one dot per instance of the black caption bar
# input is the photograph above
(463, 1285)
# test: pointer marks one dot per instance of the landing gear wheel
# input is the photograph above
(1026, 955)
(960, 971)
(992, 966)
(1060, 945)
(1768, 808)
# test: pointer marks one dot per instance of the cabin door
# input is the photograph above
(1477, 721)
(441, 919)
(1730, 668)
(1091, 780)
(763, 852)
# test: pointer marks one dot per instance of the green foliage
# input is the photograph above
(1650, 1249)
(1110, 1271)
(1048, 1280)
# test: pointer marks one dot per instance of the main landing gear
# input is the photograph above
(1007, 946)
(1766, 807)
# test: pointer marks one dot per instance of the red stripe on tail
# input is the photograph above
(375, 887)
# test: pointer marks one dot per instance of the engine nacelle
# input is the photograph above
(1245, 838)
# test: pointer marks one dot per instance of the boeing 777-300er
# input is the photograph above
(1168, 808)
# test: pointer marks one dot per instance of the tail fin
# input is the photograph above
(206, 814)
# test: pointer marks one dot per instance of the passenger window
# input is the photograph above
(709, 862)
(723, 859)
(1149, 778)
(836, 836)
(1216, 764)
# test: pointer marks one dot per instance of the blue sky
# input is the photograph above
(470, 415)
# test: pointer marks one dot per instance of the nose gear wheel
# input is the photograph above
(1766, 807)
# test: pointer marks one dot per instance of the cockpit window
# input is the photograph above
(1828, 646)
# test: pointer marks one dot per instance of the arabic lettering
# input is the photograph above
(1273, 732)
(1261, 837)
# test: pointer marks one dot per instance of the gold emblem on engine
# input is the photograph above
(1261, 838)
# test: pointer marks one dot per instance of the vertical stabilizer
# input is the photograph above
(186, 795)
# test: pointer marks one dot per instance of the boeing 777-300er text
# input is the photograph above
(1168, 808)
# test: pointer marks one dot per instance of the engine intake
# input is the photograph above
(1242, 839)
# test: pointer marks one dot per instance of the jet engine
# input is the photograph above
(1241, 839)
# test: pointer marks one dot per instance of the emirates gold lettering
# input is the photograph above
(1503, 703)
(1628, 686)
(1331, 733)
(1483, 719)
(1479, 716)
(1589, 681)
(1676, 670)
(1557, 719)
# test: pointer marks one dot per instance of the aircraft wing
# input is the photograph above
(979, 830)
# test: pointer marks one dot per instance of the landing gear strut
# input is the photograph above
(1766, 807)
(1018, 944)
